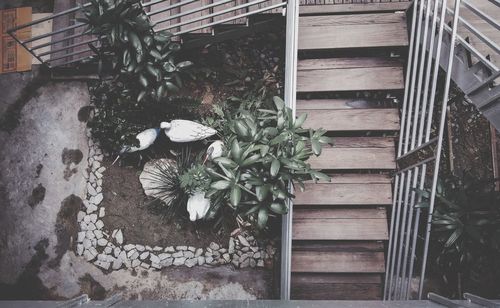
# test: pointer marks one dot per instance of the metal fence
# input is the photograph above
(70, 43)
(433, 45)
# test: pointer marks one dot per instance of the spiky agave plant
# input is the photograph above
(170, 198)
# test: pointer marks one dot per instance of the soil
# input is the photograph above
(66, 229)
(84, 113)
(129, 209)
(68, 158)
(37, 196)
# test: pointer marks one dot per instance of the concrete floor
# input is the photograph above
(39, 126)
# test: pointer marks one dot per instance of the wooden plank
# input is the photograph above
(352, 31)
(363, 142)
(363, 178)
(344, 194)
(344, 246)
(315, 286)
(337, 262)
(344, 213)
(340, 229)
(383, 119)
(335, 158)
(350, 79)
(333, 104)
(353, 8)
(344, 63)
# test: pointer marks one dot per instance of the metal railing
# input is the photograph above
(423, 116)
(70, 44)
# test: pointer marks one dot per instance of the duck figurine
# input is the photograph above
(186, 131)
(215, 149)
(146, 138)
(197, 206)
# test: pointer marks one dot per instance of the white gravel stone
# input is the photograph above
(102, 212)
(93, 217)
(80, 237)
(119, 237)
(169, 249)
(201, 260)
(87, 243)
(79, 249)
(157, 248)
(177, 254)
(214, 246)
(84, 226)
(91, 208)
(179, 261)
(102, 242)
(243, 241)
(93, 251)
(260, 263)
(140, 247)
(156, 265)
(86, 219)
(163, 256)
(91, 190)
(133, 254)
(122, 256)
(116, 252)
(92, 178)
(188, 254)
(154, 259)
(103, 264)
(97, 199)
(198, 252)
(136, 263)
(117, 264)
(80, 216)
(167, 262)
(145, 265)
(144, 255)
(191, 262)
(108, 250)
(99, 224)
(91, 226)
(181, 248)
(231, 245)
(90, 235)
(88, 255)
(101, 169)
(129, 247)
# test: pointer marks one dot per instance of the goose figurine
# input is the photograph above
(146, 138)
(197, 206)
(215, 149)
(186, 131)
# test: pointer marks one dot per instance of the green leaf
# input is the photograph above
(262, 192)
(300, 120)
(279, 103)
(250, 160)
(236, 150)
(316, 146)
(262, 218)
(184, 64)
(155, 54)
(278, 208)
(275, 167)
(226, 162)
(221, 185)
(235, 196)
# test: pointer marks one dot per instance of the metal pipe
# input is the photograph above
(53, 42)
(275, 6)
(418, 164)
(146, 4)
(396, 235)
(69, 55)
(34, 22)
(414, 75)
(440, 144)
(481, 14)
(198, 9)
(292, 26)
(402, 234)
(69, 62)
(418, 148)
(68, 47)
(222, 12)
(391, 231)
(41, 36)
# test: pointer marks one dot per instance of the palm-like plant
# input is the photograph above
(143, 59)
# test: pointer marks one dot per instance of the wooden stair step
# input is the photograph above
(378, 119)
(357, 153)
(309, 212)
(338, 103)
(340, 229)
(350, 8)
(352, 31)
(349, 74)
(352, 189)
(337, 262)
(326, 286)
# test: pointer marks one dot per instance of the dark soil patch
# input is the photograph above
(29, 286)
(37, 196)
(69, 157)
(66, 227)
(10, 119)
(84, 113)
(89, 286)
(128, 208)
(38, 170)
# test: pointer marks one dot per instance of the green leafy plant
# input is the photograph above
(143, 60)
(466, 234)
(195, 179)
(118, 120)
(268, 149)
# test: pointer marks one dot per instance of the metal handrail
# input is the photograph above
(67, 34)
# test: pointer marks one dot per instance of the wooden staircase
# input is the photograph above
(340, 227)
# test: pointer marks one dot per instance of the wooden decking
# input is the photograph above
(339, 227)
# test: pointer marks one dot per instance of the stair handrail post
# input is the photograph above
(292, 30)
(456, 15)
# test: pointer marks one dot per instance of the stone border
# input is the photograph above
(110, 252)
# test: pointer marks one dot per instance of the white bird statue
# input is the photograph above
(186, 131)
(146, 138)
(197, 206)
(216, 149)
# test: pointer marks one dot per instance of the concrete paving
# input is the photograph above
(42, 155)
